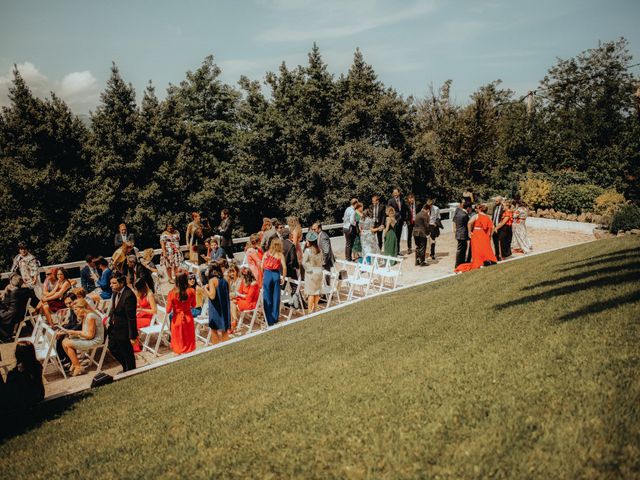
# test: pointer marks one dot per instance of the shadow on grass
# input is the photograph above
(603, 282)
(630, 253)
(599, 307)
(17, 422)
(635, 266)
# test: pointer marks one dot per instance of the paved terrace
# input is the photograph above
(549, 237)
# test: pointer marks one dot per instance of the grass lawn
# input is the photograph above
(525, 370)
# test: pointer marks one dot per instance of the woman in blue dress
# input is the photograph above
(217, 290)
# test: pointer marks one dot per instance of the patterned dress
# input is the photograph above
(520, 238)
(368, 239)
(173, 258)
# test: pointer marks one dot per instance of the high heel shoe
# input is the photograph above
(78, 371)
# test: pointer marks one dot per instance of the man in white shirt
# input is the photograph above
(434, 226)
(349, 228)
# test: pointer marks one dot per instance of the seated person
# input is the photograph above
(70, 323)
(89, 275)
(217, 252)
(13, 306)
(247, 295)
(197, 310)
(24, 387)
(52, 298)
(91, 335)
(104, 282)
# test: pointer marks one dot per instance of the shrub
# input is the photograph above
(626, 218)
(608, 203)
(575, 198)
(536, 192)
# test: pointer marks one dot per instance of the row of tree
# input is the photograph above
(304, 148)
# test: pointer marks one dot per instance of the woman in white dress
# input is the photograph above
(520, 241)
(312, 263)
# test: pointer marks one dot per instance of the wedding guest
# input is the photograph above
(324, 242)
(468, 198)
(90, 336)
(70, 323)
(295, 236)
(435, 224)
(412, 209)
(217, 290)
(180, 301)
(89, 274)
(521, 241)
(122, 328)
(122, 236)
(225, 230)
(496, 218)
(266, 226)
(421, 234)
(254, 254)
(378, 212)
(269, 234)
(356, 249)
(105, 280)
(13, 306)
(368, 233)
(171, 254)
(25, 264)
(194, 236)
(349, 228)
(390, 238)
(312, 262)
(146, 306)
(480, 228)
(290, 254)
(400, 209)
(247, 296)
(119, 257)
(274, 271)
(193, 283)
(461, 233)
(217, 252)
(53, 294)
(504, 231)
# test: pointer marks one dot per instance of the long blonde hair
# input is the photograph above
(275, 247)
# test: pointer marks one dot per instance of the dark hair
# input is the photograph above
(22, 245)
(64, 271)
(88, 258)
(193, 215)
(102, 262)
(141, 286)
(119, 277)
(214, 270)
(71, 296)
(225, 211)
(182, 284)
(247, 275)
(26, 356)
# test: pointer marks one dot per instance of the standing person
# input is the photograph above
(421, 234)
(400, 208)
(295, 236)
(269, 234)
(225, 230)
(171, 254)
(390, 239)
(324, 242)
(461, 233)
(479, 227)
(468, 198)
(122, 328)
(253, 254)
(521, 241)
(290, 255)
(266, 226)
(217, 290)
(123, 236)
(368, 233)
(349, 228)
(435, 224)
(89, 275)
(274, 270)
(356, 249)
(496, 218)
(194, 236)
(129, 269)
(180, 301)
(506, 230)
(378, 213)
(412, 209)
(91, 335)
(25, 264)
(312, 261)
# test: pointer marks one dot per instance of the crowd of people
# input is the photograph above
(117, 298)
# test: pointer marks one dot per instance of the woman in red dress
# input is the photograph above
(180, 301)
(145, 309)
(248, 293)
(254, 257)
(480, 230)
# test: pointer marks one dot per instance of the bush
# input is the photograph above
(626, 218)
(536, 192)
(608, 203)
(574, 198)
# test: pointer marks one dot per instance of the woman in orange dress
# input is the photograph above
(180, 302)
(480, 230)
(145, 309)
(254, 257)
(248, 292)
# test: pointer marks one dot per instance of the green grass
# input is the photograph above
(525, 370)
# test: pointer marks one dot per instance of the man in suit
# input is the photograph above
(13, 306)
(225, 230)
(324, 243)
(289, 252)
(122, 329)
(123, 236)
(496, 217)
(461, 232)
(400, 207)
(412, 210)
(421, 235)
(377, 211)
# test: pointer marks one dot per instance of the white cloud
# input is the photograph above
(335, 19)
(79, 89)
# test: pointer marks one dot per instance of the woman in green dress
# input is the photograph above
(390, 239)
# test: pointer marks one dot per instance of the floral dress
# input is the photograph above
(173, 257)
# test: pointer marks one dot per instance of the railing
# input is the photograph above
(241, 240)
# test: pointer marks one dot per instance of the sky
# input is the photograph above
(67, 46)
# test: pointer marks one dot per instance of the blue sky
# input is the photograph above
(67, 46)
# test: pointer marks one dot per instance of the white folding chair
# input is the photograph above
(252, 313)
(160, 327)
(29, 316)
(387, 269)
(45, 347)
(356, 278)
(202, 321)
(291, 295)
(91, 354)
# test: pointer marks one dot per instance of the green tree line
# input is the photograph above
(303, 143)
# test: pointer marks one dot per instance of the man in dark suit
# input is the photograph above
(496, 217)
(289, 252)
(421, 234)
(13, 306)
(122, 236)
(225, 230)
(377, 211)
(412, 210)
(400, 207)
(461, 232)
(122, 329)
(324, 243)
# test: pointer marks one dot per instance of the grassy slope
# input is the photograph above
(529, 369)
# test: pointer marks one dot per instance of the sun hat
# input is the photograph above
(312, 237)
